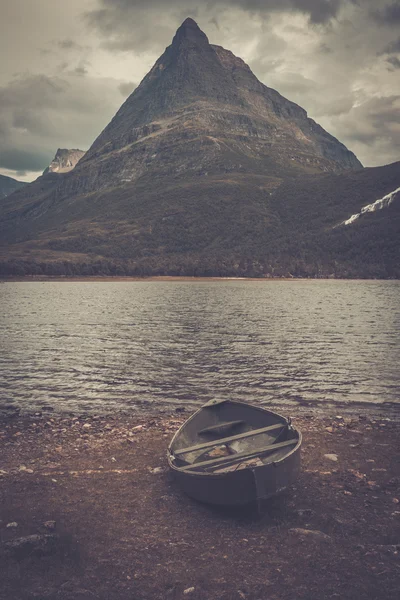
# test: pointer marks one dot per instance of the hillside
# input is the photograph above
(8, 185)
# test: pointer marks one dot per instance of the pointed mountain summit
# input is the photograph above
(199, 172)
(189, 31)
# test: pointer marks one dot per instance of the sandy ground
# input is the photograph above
(89, 510)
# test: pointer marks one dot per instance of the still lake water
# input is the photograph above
(104, 346)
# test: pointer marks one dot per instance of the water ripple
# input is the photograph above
(100, 346)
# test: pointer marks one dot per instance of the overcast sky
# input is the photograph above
(66, 67)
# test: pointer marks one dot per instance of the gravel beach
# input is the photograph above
(89, 510)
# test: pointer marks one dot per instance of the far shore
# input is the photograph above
(163, 278)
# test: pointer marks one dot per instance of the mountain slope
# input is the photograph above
(8, 185)
(202, 170)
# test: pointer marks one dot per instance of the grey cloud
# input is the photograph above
(325, 49)
(126, 88)
(20, 160)
(388, 15)
(371, 130)
(39, 113)
(394, 61)
(81, 70)
(136, 24)
(393, 47)
(69, 44)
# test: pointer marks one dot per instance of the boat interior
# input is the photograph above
(228, 436)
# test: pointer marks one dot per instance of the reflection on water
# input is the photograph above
(102, 345)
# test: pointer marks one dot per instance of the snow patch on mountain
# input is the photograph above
(377, 205)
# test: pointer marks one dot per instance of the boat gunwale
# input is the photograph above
(225, 475)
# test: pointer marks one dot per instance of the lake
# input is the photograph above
(329, 345)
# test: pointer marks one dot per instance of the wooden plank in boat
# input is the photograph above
(239, 456)
(231, 438)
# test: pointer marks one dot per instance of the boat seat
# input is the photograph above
(221, 427)
(231, 438)
(240, 456)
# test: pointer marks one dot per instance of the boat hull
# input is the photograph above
(242, 486)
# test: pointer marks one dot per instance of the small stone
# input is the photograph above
(311, 533)
(156, 470)
(54, 480)
(332, 457)
(347, 493)
(302, 512)
(22, 468)
(189, 590)
(86, 426)
(329, 429)
(11, 525)
(373, 485)
(113, 459)
(30, 471)
(49, 525)
(395, 501)
(137, 428)
(3, 473)
(37, 543)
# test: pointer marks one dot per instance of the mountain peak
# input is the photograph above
(189, 22)
(189, 30)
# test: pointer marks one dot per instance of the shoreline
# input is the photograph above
(183, 278)
(89, 510)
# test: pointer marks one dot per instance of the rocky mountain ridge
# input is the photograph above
(65, 160)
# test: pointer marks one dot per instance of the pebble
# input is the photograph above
(189, 590)
(329, 429)
(13, 524)
(311, 533)
(332, 457)
(86, 426)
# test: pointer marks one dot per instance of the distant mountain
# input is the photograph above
(64, 160)
(204, 170)
(8, 185)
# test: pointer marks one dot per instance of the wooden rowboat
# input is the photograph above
(231, 453)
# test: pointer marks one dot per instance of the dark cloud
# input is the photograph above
(39, 114)
(136, 24)
(393, 47)
(24, 160)
(388, 15)
(395, 62)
